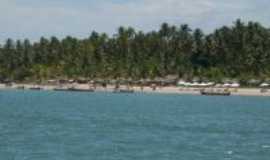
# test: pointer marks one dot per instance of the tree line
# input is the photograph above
(239, 51)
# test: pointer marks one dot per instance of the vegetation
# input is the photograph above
(241, 51)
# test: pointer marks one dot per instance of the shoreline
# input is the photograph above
(147, 89)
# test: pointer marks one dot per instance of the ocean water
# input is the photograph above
(104, 126)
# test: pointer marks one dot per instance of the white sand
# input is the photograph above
(162, 90)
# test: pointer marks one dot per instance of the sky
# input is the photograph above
(32, 19)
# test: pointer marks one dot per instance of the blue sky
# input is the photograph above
(35, 18)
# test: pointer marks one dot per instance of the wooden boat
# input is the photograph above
(36, 88)
(126, 91)
(72, 89)
(215, 93)
(60, 89)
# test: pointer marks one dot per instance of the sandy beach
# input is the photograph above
(137, 89)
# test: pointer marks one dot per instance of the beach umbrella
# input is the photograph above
(264, 85)
(226, 85)
(181, 83)
(195, 84)
(235, 85)
(51, 81)
(203, 84)
(210, 84)
(71, 81)
(188, 84)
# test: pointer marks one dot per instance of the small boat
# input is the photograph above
(60, 89)
(215, 93)
(80, 90)
(126, 91)
(37, 88)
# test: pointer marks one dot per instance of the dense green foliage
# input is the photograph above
(240, 51)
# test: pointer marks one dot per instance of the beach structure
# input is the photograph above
(8, 83)
(123, 86)
(81, 81)
(154, 87)
(101, 82)
(182, 83)
(170, 80)
(52, 81)
(63, 81)
(264, 87)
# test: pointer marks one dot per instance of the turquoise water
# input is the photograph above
(102, 126)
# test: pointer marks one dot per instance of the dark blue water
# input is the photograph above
(103, 126)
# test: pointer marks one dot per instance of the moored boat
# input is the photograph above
(80, 90)
(60, 89)
(215, 92)
(126, 91)
(36, 88)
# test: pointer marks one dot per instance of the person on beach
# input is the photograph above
(141, 88)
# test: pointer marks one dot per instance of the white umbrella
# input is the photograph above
(226, 85)
(235, 85)
(264, 85)
(181, 83)
(195, 84)
(203, 84)
(210, 84)
(187, 84)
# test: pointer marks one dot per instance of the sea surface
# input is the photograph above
(47, 125)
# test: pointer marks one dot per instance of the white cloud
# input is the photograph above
(20, 20)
